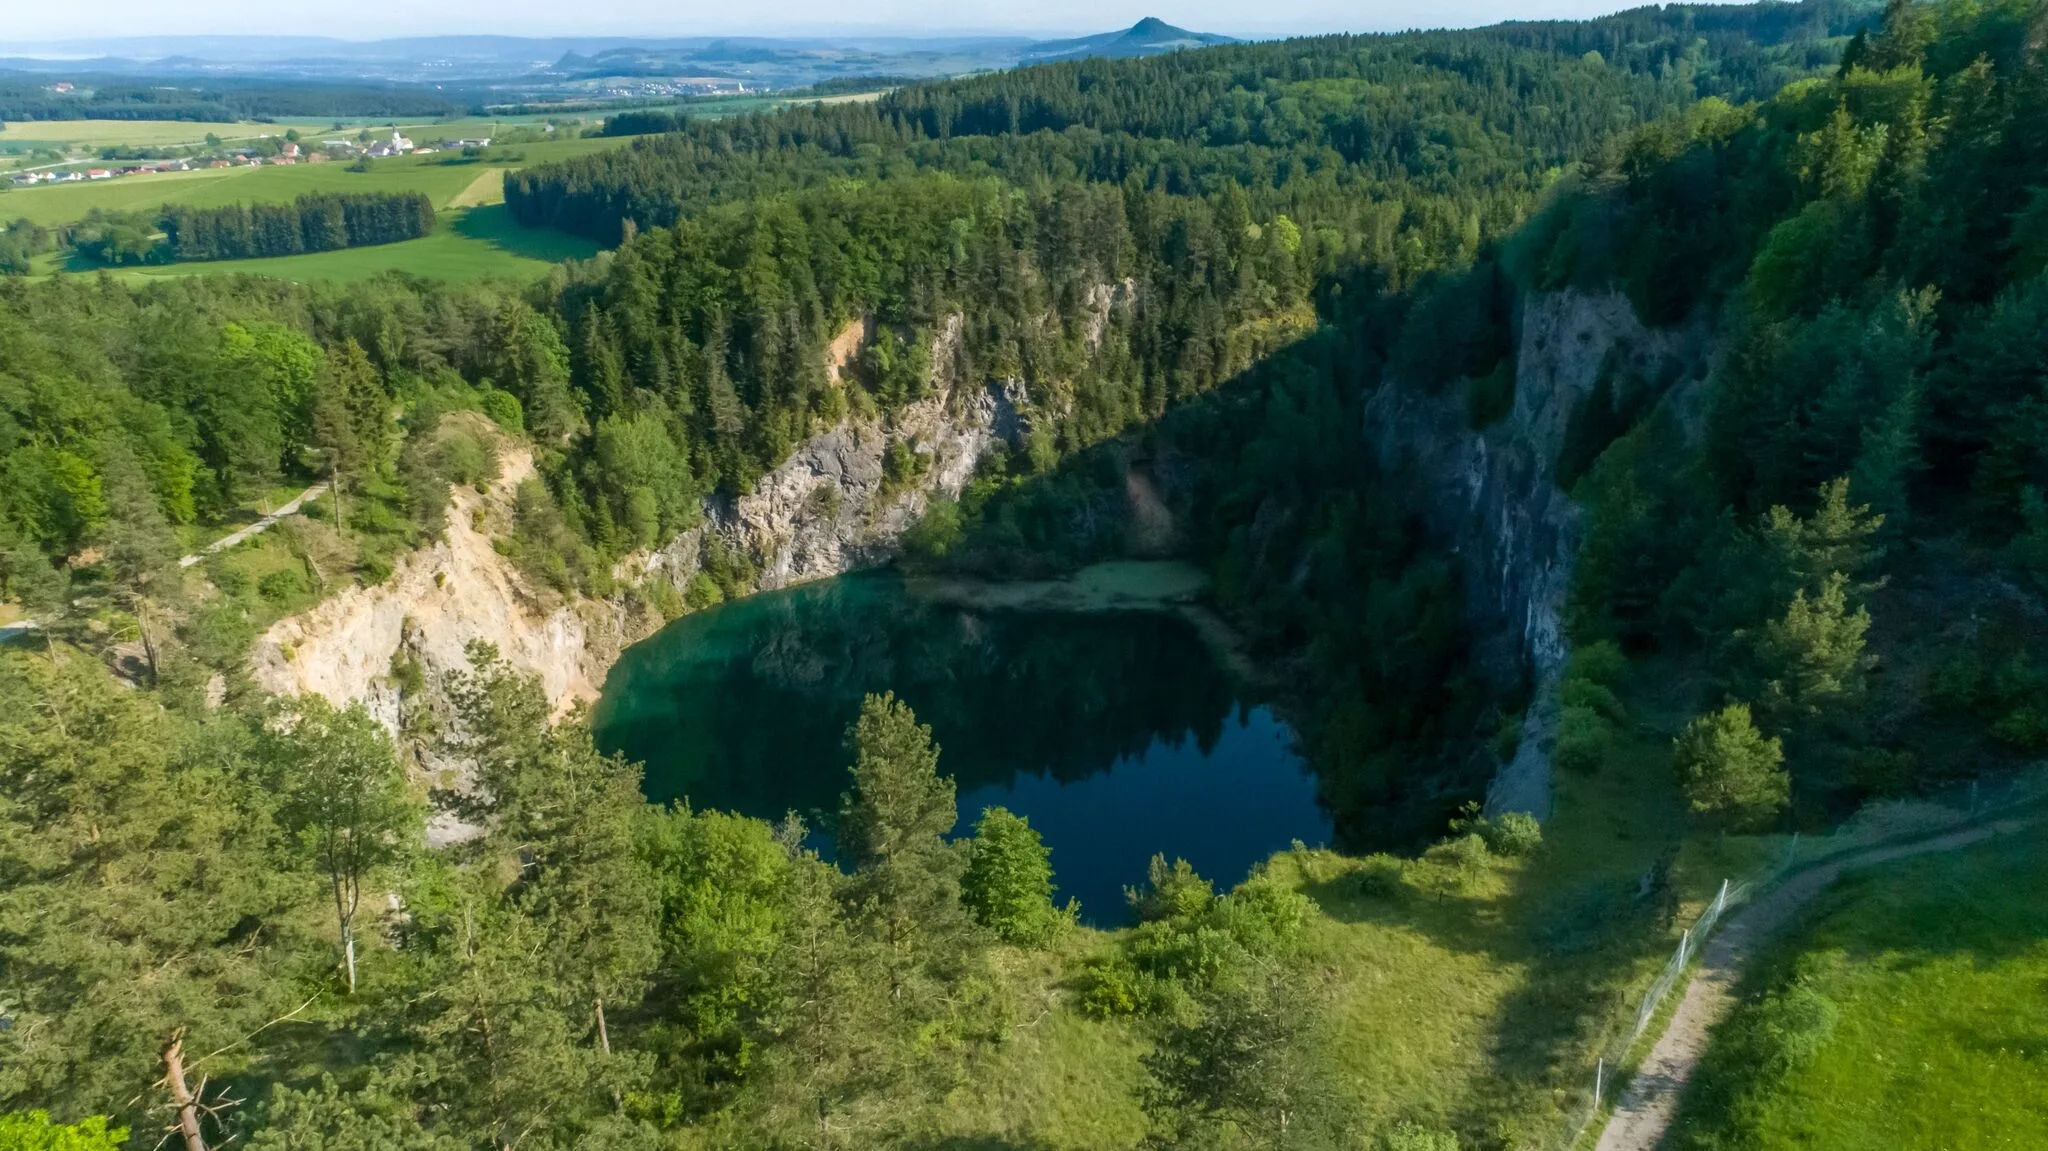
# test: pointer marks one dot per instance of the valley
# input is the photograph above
(1244, 595)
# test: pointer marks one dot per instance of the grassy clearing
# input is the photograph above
(1907, 1013)
(466, 244)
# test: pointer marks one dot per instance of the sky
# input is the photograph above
(27, 21)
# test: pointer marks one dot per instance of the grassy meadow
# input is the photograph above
(1458, 994)
(476, 237)
(1906, 1012)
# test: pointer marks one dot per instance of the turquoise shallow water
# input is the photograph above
(1115, 732)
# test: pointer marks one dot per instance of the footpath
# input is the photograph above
(1644, 1115)
(229, 540)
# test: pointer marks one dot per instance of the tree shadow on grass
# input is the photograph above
(493, 224)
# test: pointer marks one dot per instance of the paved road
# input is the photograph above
(1647, 1108)
(259, 527)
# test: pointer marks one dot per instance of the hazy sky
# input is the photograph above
(27, 20)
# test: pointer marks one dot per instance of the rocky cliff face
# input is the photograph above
(438, 600)
(830, 508)
(1492, 495)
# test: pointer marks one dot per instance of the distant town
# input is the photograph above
(265, 150)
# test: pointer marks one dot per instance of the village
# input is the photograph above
(268, 150)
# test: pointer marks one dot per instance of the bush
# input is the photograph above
(1600, 663)
(1731, 772)
(231, 581)
(1583, 739)
(281, 586)
(463, 459)
(1381, 876)
(1513, 835)
(1008, 886)
(1174, 892)
(503, 409)
(1595, 696)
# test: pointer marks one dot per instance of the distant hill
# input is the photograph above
(1148, 37)
(523, 66)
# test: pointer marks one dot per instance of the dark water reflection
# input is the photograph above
(1116, 733)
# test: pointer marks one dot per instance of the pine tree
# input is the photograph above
(892, 829)
(1731, 772)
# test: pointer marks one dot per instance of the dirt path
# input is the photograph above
(258, 528)
(1648, 1106)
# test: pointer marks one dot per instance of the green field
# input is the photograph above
(468, 244)
(476, 237)
(214, 187)
(138, 133)
(1909, 1012)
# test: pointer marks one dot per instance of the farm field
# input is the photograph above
(475, 239)
(214, 187)
(468, 243)
(1907, 1014)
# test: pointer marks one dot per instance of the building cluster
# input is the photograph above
(291, 153)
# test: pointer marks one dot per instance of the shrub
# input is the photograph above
(503, 409)
(231, 581)
(1583, 739)
(281, 586)
(1731, 772)
(1381, 876)
(1008, 885)
(1600, 663)
(1513, 835)
(463, 459)
(2025, 728)
(1593, 696)
(1174, 892)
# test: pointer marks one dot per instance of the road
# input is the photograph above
(258, 528)
(1651, 1101)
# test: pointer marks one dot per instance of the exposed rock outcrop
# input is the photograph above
(437, 601)
(833, 506)
(1492, 494)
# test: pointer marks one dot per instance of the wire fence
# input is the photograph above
(1770, 859)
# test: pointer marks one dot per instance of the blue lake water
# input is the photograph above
(1116, 733)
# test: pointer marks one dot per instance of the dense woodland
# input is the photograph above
(316, 222)
(27, 96)
(1299, 223)
(319, 222)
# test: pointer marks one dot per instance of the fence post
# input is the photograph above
(1599, 1081)
(1684, 948)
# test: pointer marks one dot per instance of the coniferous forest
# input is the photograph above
(1205, 265)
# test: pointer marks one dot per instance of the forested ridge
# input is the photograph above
(27, 96)
(1871, 247)
(1294, 225)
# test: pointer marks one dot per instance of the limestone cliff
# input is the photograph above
(1492, 496)
(831, 507)
(437, 600)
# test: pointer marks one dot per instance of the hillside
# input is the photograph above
(1614, 445)
(1145, 38)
